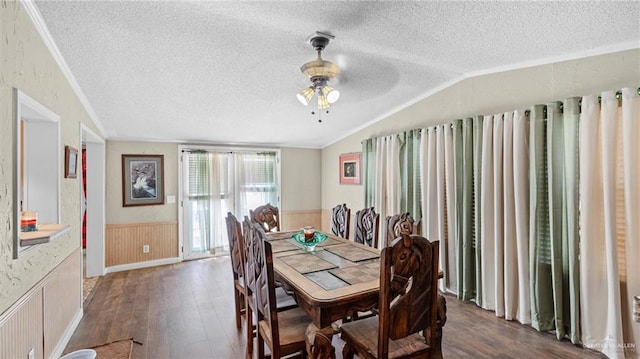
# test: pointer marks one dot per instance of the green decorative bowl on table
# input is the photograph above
(311, 243)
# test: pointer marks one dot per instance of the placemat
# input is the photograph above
(326, 280)
(358, 274)
(329, 242)
(272, 236)
(307, 263)
(282, 245)
(352, 253)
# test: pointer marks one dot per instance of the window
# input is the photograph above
(218, 181)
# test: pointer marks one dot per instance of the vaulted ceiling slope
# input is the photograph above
(228, 71)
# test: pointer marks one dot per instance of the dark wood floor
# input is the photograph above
(185, 310)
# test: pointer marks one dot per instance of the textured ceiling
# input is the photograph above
(227, 72)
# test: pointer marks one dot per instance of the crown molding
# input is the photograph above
(41, 26)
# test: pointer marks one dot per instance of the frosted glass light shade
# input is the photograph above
(331, 94)
(305, 95)
(322, 102)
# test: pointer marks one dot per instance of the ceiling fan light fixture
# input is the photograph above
(305, 95)
(322, 102)
(331, 94)
(320, 72)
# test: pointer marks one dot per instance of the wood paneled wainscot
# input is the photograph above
(293, 220)
(44, 318)
(124, 242)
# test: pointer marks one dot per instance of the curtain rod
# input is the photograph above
(526, 112)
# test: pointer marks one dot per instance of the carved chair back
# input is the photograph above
(340, 218)
(265, 296)
(234, 234)
(249, 266)
(268, 216)
(367, 227)
(398, 224)
(408, 290)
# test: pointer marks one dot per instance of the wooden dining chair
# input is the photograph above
(398, 224)
(367, 227)
(283, 300)
(340, 218)
(407, 325)
(234, 233)
(283, 332)
(268, 216)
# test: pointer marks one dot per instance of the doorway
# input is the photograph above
(93, 201)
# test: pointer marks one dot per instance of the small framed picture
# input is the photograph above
(350, 168)
(70, 162)
(142, 180)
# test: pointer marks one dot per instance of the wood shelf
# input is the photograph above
(45, 234)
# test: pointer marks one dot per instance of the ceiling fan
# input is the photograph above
(320, 72)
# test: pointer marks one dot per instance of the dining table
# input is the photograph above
(332, 282)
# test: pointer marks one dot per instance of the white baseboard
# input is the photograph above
(57, 352)
(139, 265)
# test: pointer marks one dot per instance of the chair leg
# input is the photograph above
(249, 331)
(347, 352)
(236, 298)
(260, 345)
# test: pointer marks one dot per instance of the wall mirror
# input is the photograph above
(36, 164)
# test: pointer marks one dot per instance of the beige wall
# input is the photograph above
(301, 190)
(115, 213)
(301, 178)
(300, 181)
(483, 95)
(300, 202)
(27, 64)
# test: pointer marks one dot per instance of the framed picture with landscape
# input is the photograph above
(142, 180)
(350, 168)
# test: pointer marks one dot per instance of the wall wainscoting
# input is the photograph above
(292, 220)
(44, 319)
(124, 242)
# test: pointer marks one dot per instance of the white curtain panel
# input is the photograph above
(498, 210)
(429, 179)
(509, 218)
(517, 283)
(438, 189)
(504, 207)
(599, 276)
(387, 191)
(487, 206)
(631, 163)
(477, 214)
(441, 203)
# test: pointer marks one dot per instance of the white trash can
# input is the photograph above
(81, 354)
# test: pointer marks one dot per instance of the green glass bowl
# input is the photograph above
(311, 243)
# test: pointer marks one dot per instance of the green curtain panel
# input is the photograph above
(541, 281)
(564, 122)
(410, 173)
(553, 227)
(199, 184)
(476, 214)
(463, 137)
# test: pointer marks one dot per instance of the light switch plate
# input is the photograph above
(171, 198)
